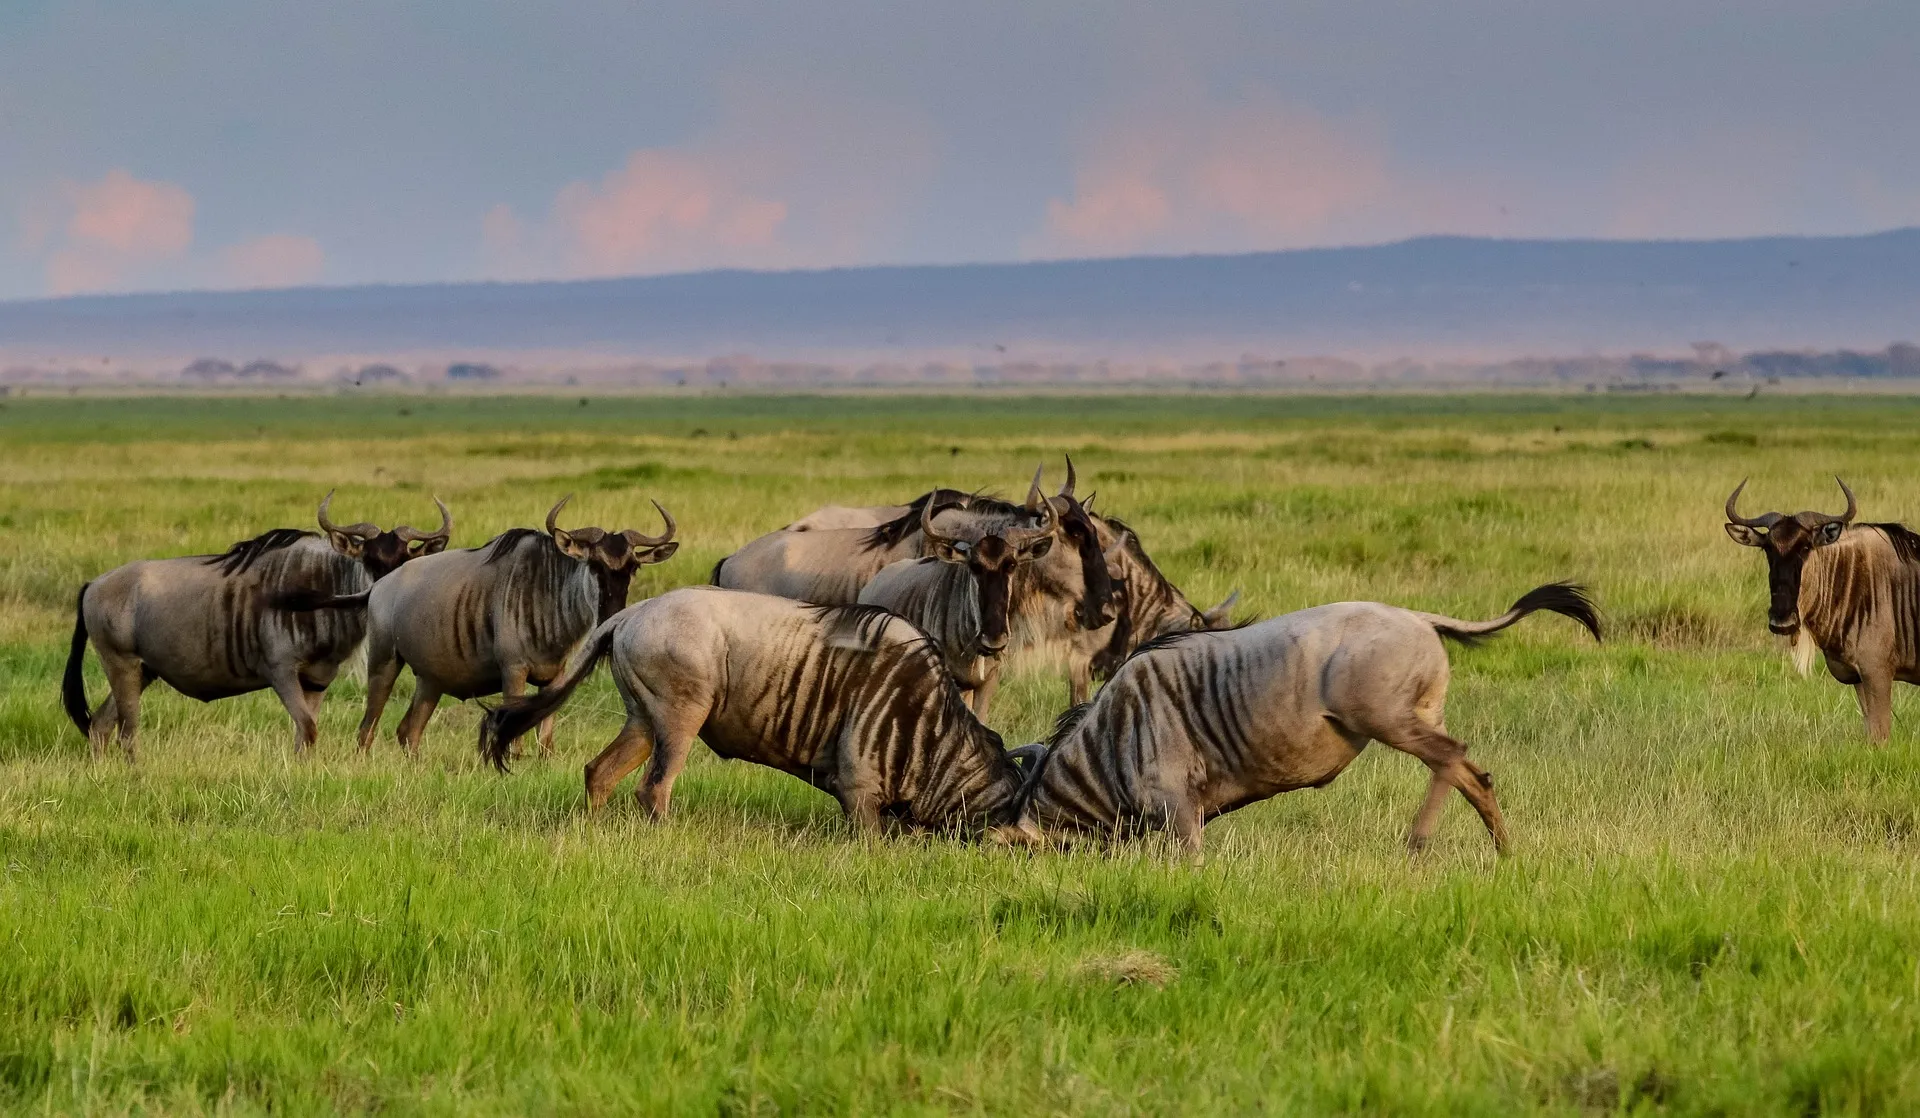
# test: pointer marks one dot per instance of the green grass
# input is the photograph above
(1712, 908)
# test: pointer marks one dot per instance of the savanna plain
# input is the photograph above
(1711, 906)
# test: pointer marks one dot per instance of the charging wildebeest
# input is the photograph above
(851, 699)
(1197, 724)
(497, 617)
(1850, 590)
(212, 626)
(961, 596)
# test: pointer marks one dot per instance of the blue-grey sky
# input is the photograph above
(225, 143)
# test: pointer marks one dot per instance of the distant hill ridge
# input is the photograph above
(1433, 296)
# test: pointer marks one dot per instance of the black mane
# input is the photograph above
(856, 626)
(1906, 543)
(1067, 723)
(506, 541)
(908, 522)
(241, 557)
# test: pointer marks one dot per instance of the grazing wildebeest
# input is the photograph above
(497, 617)
(850, 699)
(213, 626)
(961, 596)
(1197, 724)
(1850, 590)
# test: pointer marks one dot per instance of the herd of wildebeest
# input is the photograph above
(859, 648)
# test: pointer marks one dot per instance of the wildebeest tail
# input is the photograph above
(73, 687)
(504, 724)
(304, 599)
(714, 578)
(1564, 598)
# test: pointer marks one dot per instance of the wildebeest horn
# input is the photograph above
(364, 530)
(1764, 520)
(1067, 489)
(638, 540)
(414, 535)
(553, 515)
(1117, 549)
(1035, 498)
(1852, 508)
(1020, 537)
(1218, 615)
(927, 529)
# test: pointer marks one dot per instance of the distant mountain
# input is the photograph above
(1431, 297)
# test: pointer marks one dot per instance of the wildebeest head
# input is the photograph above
(1787, 541)
(614, 556)
(1099, 605)
(991, 560)
(381, 553)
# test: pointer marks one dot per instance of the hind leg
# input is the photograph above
(413, 726)
(1446, 758)
(677, 731)
(126, 679)
(626, 752)
(383, 670)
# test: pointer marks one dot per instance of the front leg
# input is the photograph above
(1875, 693)
(293, 695)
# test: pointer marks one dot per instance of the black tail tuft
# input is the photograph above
(1564, 598)
(504, 724)
(73, 688)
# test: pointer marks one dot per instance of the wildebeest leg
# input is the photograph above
(626, 752)
(982, 697)
(1447, 758)
(382, 672)
(293, 696)
(1079, 681)
(125, 681)
(512, 686)
(1875, 692)
(1429, 813)
(413, 726)
(670, 750)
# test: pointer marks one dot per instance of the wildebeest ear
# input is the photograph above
(1218, 616)
(1744, 535)
(662, 553)
(1827, 533)
(347, 544)
(432, 545)
(565, 541)
(1039, 547)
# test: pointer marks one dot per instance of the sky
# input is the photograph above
(169, 144)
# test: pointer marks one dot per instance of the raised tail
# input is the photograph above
(1564, 598)
(504, 724)
(73, 688)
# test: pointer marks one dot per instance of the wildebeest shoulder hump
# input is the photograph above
(1906, 542)
(506, 541)
(244, 554)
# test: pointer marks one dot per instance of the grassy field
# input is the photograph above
(1712, 908)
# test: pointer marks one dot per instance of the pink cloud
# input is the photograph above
(1188, 173)
(273, 260)
(782, 180)
(114, 226)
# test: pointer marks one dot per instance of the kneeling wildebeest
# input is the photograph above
(1197, 724)
(213, 626)
(497, 617)
(961, 596)
(850, 699)
(1850, 590)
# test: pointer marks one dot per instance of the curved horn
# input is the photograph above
(414, 535)
(553, 515)
(1764, 520)
(1020, 537)
(364, 530)
(638, 539)
(927, 529)
(1852, 506)
(1067, 489)
(1035, 498)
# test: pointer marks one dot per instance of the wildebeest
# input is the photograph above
(961, 596)
(1147, 606)
(1850, 590)
(1197, 724)
(869, 517)
(212, 626)
(851, 699)
(497, 617)
(1064, 592)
